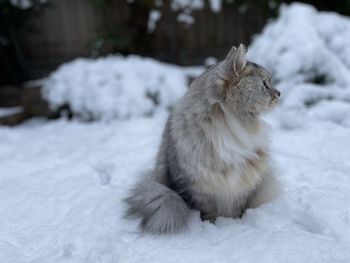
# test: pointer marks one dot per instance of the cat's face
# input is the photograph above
(246, 86)
(254, 89)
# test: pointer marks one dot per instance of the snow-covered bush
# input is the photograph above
(308, 53)
(304, 45)
(115, 87)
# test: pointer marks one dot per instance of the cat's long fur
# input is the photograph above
(214, 155)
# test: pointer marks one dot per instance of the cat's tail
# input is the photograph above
(161, 209)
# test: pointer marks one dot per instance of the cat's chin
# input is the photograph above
(273, 103)
(267, 108)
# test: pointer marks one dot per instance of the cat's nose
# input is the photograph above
(277, 92)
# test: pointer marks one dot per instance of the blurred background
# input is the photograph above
(36, 36)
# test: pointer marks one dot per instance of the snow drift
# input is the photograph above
(308, 53)
(115, 87)
(304, 45)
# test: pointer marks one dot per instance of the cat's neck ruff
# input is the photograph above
(233, 141)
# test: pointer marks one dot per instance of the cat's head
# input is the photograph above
(244, 86)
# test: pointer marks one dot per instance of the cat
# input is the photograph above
(214, 151)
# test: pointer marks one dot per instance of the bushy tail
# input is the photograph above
(161, 209)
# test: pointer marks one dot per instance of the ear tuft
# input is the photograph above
(235, 60)
(240, 59)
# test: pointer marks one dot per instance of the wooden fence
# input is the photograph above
(65, 29)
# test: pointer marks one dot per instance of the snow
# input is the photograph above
(154, 16)
(189, 4)
(185, 9)
(215, 5)
(186, 18)
(25, 4)
(308, 53)
(210, 61)
(319, 46)
(22, 4)
(115, 87)
(4, 112)
(62, 182)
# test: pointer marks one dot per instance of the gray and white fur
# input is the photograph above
(214, 153)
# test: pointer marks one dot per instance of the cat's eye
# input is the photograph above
(265, 85)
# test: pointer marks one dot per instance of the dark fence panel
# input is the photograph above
(212, 34)
(66, 28)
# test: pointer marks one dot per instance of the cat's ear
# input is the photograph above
(235, 60)
(240, 59)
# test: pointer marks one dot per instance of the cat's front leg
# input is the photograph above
(206, 205)
(268, 189)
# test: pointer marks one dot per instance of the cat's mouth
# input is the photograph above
(275, 94)
(274, 101)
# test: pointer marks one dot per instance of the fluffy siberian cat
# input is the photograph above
(213, 156)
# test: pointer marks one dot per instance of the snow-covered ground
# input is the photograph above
(62, 182)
